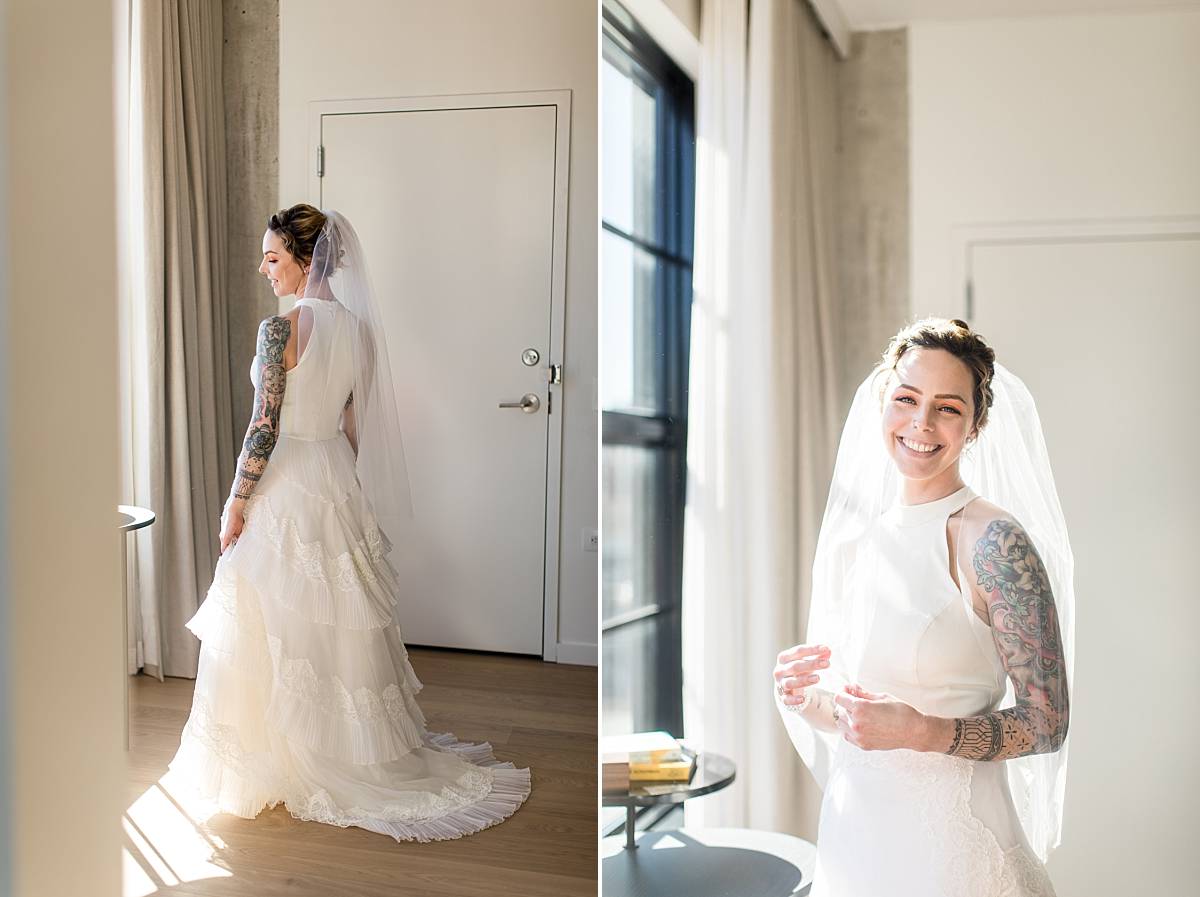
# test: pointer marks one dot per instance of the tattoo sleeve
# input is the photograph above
(1027, 637)
(263, 431)
(350, 423)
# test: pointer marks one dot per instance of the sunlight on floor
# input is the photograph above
(166, 841)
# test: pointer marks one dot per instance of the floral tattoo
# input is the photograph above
(1027, 637)
(273, 334)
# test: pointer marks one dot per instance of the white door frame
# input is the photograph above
(561, 101)
(964, 238)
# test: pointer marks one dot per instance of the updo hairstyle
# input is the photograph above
(956, 337)
(299, 227)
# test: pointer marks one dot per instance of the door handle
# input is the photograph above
(529, 403)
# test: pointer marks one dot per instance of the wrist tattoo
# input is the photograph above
(980, 738)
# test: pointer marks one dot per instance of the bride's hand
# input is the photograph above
(878, 722)
(234, 521)
(797, 668)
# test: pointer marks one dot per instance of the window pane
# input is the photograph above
(629, 128)
(634, 693)
(630, 351)
(632, 521)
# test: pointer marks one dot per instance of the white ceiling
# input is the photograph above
(868, 15)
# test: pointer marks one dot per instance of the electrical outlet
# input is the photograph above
(591, 540)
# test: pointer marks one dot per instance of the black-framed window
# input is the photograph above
(647, 202)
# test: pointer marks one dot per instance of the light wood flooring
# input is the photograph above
(540, 715)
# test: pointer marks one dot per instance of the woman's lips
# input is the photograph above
(914, 452)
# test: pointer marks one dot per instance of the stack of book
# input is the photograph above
(644, 757)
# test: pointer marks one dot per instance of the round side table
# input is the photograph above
(709, 862)
(713, 772)
(129, 518)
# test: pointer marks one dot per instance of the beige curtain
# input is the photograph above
(763, 395)
(175, 379)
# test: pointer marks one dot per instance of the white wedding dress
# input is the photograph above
(304, 694)
(906, 823)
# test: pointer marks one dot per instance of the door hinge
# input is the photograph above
(554, 374)
(320, 161)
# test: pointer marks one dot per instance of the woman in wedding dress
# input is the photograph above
(930, 606)
(305, 695)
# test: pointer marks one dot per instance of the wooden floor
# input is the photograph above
(540, 715)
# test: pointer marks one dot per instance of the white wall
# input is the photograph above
(1044, 119)
(60, 646)
(1063, 125)
(380, 48)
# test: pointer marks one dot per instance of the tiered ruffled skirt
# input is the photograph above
(304, 694)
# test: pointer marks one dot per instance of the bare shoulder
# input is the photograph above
(277, 337)
(1005, 561)
(274, 324)
(980, 515)
(986, 529)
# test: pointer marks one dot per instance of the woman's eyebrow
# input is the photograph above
(940, 395)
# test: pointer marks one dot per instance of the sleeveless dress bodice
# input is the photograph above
(320, 382)
(927, 646)
(909, 823)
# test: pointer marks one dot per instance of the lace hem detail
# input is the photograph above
(471, 788)
(331, 695)
(966, 855)
(364, 726)
(488, 791)
(346, 571)
(355, 589)
(220, 770)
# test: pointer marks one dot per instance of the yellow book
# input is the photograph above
(668, 771)
(640, 747)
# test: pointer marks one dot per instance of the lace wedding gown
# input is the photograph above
(304, 694)
(906, 823)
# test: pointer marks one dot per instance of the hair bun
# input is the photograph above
(960, 323)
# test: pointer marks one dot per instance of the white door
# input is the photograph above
(456, 211)
(1104, 334)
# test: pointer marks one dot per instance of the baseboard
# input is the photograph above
(582, 653)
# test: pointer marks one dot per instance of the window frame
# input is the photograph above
(663, 430)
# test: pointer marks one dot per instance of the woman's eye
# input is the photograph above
(951, 408)
(905, 399)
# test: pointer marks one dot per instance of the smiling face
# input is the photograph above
(928, 410)
(280, 267)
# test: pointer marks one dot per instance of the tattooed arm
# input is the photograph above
(273, 336)
(1025, 629)
(349, 425)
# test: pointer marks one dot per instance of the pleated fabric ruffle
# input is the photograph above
(305, 694)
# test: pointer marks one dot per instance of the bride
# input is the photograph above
(304, 694)
(941, 630)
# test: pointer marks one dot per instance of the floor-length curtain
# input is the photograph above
(763, 392)
(175, 378)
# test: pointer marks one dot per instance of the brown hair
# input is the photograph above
(298, 227)
(956, 337)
